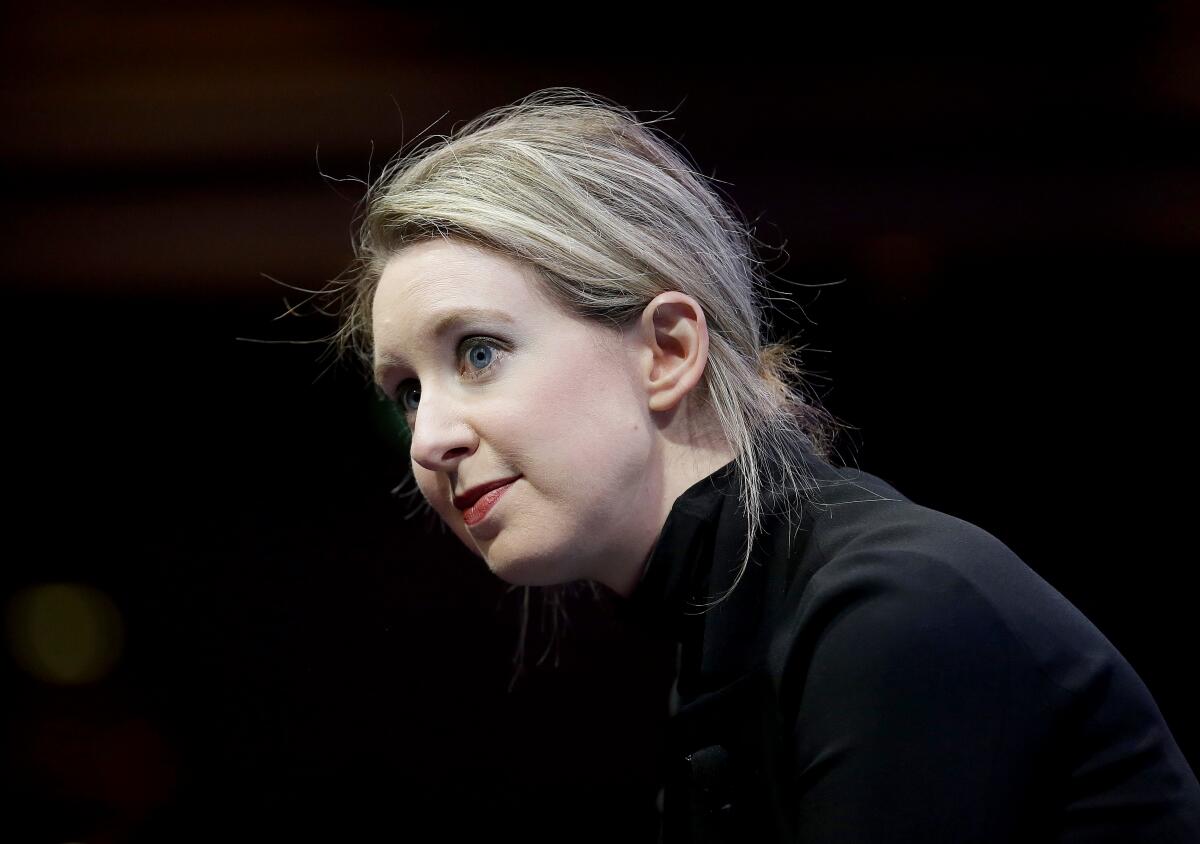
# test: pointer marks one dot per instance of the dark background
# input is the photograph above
(1008, 202)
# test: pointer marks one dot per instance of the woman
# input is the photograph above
(568, 317)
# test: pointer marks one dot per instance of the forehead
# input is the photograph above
(425, 285)
(440, 273)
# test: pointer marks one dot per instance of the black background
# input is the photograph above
(990, 223)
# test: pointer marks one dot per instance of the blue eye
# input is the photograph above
(481, 354)
(480, 360)
(403, 394)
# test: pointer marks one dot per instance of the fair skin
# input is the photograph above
(599, 424)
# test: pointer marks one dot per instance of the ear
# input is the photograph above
(671, 337)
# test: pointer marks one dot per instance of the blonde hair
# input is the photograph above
(609, 214)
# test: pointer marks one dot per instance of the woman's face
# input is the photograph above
(496, 382)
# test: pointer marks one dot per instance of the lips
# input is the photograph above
(472, 495)
(478, 511)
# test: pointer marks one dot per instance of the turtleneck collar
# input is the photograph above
(706, 521)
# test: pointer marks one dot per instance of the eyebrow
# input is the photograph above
(441, 325)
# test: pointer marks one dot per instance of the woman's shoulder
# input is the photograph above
(915, 570)
(905, 627)
(873, 575)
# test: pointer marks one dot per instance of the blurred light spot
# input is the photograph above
(64, 633)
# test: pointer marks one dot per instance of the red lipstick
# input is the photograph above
(477, 511)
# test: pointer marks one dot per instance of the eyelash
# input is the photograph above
(465, 343)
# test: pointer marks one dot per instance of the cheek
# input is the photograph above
(587, 437)
(597, 411)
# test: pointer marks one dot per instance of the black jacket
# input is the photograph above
(883, 673)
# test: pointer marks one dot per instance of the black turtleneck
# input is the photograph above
(683, 554)
(886, 672)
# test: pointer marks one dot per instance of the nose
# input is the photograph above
(441, 437)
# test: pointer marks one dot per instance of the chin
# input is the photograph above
(522, 570)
